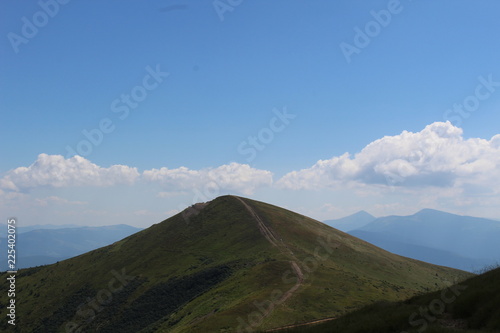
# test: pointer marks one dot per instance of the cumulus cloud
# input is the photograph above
(436, 156)
(234, 177)
(56, 171)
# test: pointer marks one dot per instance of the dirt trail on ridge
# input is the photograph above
(303, 324)
(272, 236)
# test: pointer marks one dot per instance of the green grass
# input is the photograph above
(223, 252)
(475, 308)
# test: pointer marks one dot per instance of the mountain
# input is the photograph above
(469, 306)
(229, 265)
(352, 222)
(21, 229)
(434, 230)
(423, 253)
(47, 246)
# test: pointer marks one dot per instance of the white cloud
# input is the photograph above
(234, 176)
(437, 156)
(56, 171)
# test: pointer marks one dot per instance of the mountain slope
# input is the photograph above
(234, 264)
(352, 222)
(470, 306)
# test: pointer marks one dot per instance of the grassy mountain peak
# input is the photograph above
(227, 265)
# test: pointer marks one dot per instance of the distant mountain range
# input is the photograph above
(462, 242)
(35, 247)
(20, 229)
(229, 265)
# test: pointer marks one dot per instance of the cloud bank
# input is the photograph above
(437, 156)
(56, 171)
(234, 177)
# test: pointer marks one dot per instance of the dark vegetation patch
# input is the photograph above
(65, 312)
(80, 315)
(108, 312)
(162, 300)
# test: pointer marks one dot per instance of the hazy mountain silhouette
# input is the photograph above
(463, 242)
(47, 246)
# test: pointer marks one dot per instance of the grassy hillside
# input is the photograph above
(236, 264)
(470, 306)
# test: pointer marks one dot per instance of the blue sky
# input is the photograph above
(233, 67)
